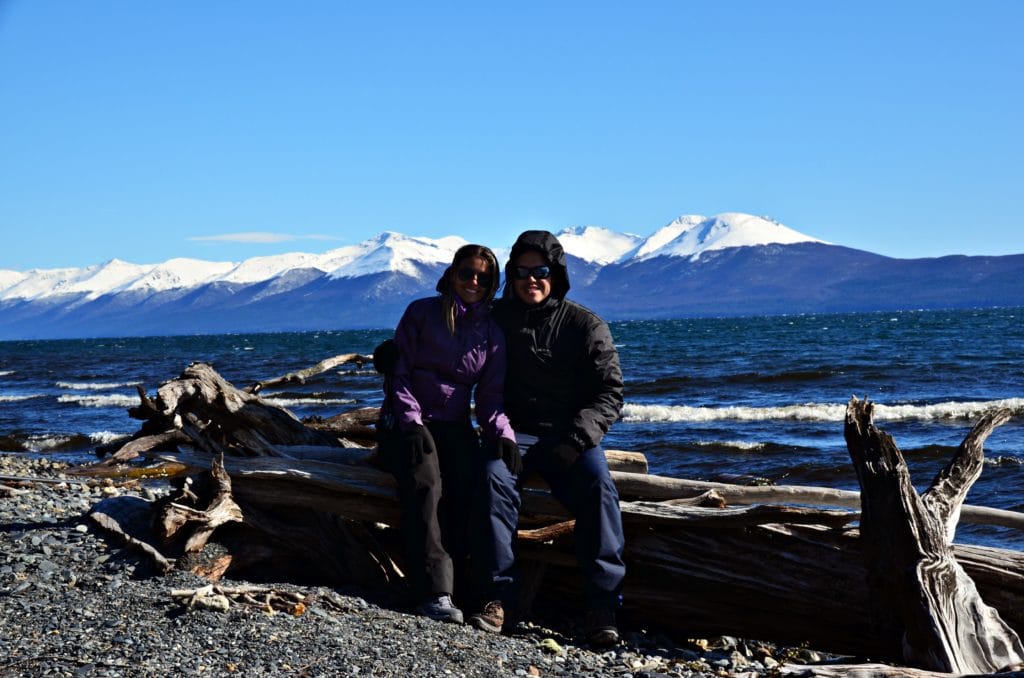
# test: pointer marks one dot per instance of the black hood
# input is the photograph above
(547, 244)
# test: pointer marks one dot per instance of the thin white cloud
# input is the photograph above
(260, 237)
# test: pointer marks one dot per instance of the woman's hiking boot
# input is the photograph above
(490, 618)
(599, 628)
(440, 608)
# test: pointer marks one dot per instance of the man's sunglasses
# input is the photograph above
(482, 279)
(536, 272)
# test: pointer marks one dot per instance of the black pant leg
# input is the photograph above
(428, 565)
(458, 447)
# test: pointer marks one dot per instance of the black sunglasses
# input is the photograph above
(466, 274)
(536, 272)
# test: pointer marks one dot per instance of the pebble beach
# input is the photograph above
(76, 602)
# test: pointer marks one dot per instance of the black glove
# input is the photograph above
(508, 451)
(561, 454)
(385, 356)
(564, 454)
(420, 443)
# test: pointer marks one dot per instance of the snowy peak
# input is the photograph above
(661, 237)
(695, 235)
(595, 244)
(179, 273)
(392, 252)
(38, 283)
(109, 277)
(9, 279)
(259, 269)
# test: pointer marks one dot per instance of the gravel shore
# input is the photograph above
(73, 602)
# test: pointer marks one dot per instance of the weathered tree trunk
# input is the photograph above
(922, 600)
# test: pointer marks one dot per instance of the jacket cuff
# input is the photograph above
(576, 440)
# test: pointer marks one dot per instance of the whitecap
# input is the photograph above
(4, 373)
(87, 386)
(39, 443)
(683, 413)
(104, 437)
(1004, 460)
(742, 445)
(291, 402)
(953, 410)
(112, 400)
(948, 410)
(5, 398)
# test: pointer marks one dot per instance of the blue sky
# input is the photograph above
(146, 131)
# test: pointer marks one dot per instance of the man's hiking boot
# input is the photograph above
(599, 628)
(440, 608)
(490, 618)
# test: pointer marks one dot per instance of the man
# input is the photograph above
(563, 390)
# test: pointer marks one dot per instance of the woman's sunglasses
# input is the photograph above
(536, 272)
(482, 279)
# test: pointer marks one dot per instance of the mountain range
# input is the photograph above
(728, 264)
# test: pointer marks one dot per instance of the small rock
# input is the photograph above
(551, 646)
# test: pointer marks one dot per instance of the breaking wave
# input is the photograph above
(57, 442)
(73, 386)
(741, 445)
(292, 402)
(104, 437)
(111, 400)
(19, 398)
(1004, 460)
(815, 412)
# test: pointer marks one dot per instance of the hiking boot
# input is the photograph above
(440, 608)
(599, 628)
(490, 618)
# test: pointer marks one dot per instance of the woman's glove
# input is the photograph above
(420, 443)
(508, 451)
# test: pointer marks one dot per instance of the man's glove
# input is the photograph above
(561, 455)
(508, 451)
(564, 454)
(420, 443)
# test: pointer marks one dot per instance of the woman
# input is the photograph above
(446, 345)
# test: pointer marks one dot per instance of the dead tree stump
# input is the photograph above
(925, 605)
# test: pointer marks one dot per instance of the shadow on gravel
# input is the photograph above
(68, 524)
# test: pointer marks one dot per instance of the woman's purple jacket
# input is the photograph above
(436, 372)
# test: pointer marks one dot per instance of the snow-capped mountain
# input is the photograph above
(257, 269)
(726, 264)
(661, 237)
(597, 245)
(391, 252)
(691, 236)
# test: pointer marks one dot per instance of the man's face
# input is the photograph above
(531, 289)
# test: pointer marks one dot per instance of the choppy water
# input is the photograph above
(715, 399)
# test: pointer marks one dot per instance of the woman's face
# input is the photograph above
(471, 279)
(529, 288)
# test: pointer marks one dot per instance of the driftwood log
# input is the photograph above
(703, 558)
(922, 599)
